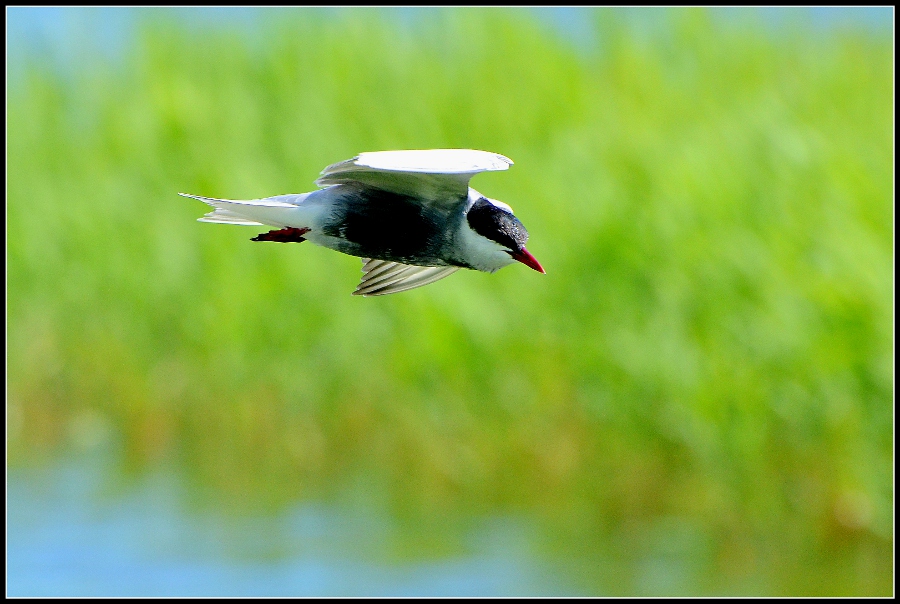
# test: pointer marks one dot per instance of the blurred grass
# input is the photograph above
(697, 397)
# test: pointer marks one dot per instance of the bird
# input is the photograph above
(410, 215)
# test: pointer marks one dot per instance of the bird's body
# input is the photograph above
(410, 215)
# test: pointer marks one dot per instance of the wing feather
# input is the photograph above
(383, 277)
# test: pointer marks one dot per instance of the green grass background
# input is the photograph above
(696, 398)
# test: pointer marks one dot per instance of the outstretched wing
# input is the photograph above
(384, 277)
(436, 175)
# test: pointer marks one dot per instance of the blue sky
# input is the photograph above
(59, 32)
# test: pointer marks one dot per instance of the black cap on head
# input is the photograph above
(497, 224)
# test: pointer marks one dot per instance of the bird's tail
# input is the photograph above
(273, 211)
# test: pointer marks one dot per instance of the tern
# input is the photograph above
(410, 215)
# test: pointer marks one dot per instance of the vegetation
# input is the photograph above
(696, 398)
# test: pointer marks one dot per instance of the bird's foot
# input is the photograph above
(285, 235)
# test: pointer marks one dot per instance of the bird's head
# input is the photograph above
(494, 221)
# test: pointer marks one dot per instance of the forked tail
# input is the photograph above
(254, 212)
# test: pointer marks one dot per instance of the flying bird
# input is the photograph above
(410, 215)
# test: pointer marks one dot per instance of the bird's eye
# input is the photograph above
(496, 224)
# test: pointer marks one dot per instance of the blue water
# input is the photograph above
(70, 533)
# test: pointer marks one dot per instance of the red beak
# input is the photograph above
(528, 260)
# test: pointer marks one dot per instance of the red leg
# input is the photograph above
(285, 235)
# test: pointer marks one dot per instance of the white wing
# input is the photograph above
(384, 277)
(433, 175)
